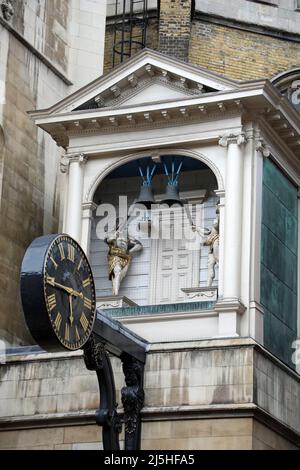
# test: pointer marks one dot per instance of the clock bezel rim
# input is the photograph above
(91, 325)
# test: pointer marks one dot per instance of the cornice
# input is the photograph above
(255, 90)
(255, 102)
(280, 151)
(159, 123)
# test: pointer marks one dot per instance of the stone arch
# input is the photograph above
(180, 152)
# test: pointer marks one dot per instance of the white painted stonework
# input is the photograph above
(152, 106)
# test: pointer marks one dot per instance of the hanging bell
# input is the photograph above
(146, 197)
(172, 195)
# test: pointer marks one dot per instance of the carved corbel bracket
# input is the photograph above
(64, 165)
(7, 9)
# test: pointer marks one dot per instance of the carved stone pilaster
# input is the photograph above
(7, 9)
(132, 399)
(233, 138)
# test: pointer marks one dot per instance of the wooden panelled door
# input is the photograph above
(175, 263)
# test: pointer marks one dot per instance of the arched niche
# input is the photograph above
(135, 156)
(144, 283)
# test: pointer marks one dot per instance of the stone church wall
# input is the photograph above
(222, 394)
(46, 52)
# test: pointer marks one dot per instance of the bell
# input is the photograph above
(146, 196)
(172, 195)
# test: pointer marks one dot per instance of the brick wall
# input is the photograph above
(175, 28)
(235, 53)
(152, 42)
(240, 54)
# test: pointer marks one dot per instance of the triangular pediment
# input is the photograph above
(141, 89)
(155, 90)
(147, 77)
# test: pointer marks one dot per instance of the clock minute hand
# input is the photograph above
(71, 317)
(69, 290)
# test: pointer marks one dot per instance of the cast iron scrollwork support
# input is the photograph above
(111, 337)
(133, 400)
(96, 358)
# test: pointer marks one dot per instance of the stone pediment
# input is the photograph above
(159, 88)
(148, 77)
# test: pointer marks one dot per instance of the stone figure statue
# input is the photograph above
(121, 249)
(212, 241)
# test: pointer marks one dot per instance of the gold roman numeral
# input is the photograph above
(51, 302)
(77, 334)
(58, 321)
(61, 250)
(54, 262)
(86, 282)
(71, 253)
(67, 333)
(87, 303)
(80, 264)
(50, 280)
(84, 322)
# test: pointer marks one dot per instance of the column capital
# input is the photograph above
(77, 157)
(262, 147)
(237, 138)
(71, 158)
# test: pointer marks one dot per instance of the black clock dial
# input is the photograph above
(58, 293)
(69, 292)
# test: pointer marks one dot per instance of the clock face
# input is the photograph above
(69, 292)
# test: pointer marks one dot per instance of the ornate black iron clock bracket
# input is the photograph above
(96, 358)
(131, 350)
